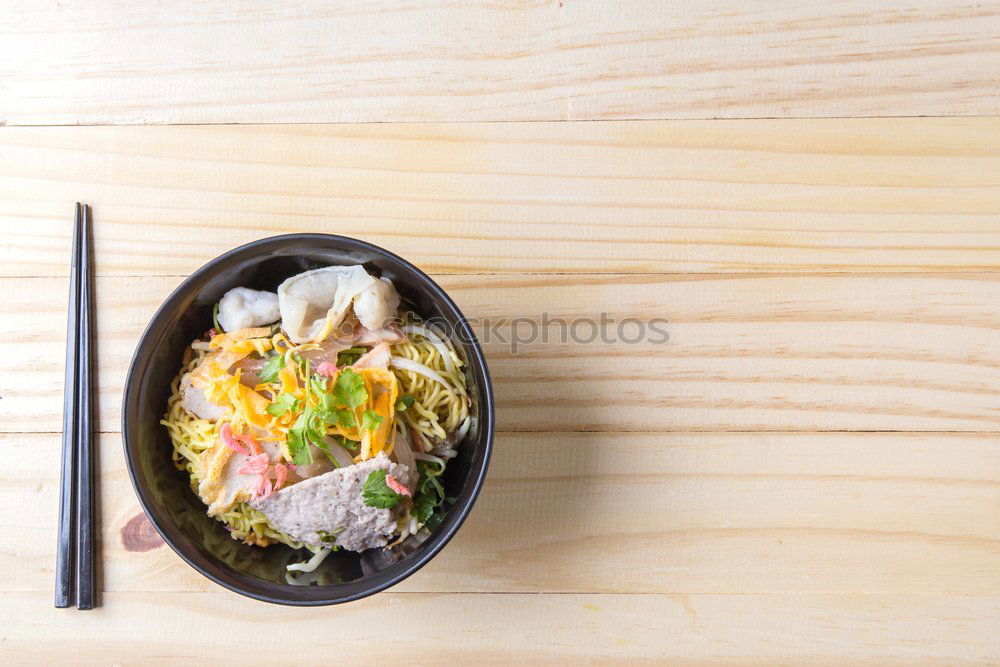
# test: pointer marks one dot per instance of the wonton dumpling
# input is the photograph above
(315, 302)
(242, 308)
(377, 305)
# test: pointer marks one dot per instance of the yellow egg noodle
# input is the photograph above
(436, 420)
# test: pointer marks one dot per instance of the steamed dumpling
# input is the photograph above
(377, 304)
(241, 308)
(313, 303)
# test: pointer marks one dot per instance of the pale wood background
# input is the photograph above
(807, 471)
(343, 61)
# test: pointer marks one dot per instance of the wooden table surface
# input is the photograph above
(806, 471)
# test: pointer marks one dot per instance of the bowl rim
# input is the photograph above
(456, 516)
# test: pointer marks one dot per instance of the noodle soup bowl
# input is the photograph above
(164, 492)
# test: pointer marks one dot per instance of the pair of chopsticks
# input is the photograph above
(75, 551)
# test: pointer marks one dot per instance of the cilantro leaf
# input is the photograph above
(346, 418)
(312, 426)
(423, 507)
(376, 492)
(298, 446)
(315, 427)
(282, 404)
(349, 389)
(429, 493)
(437, 516)
(310, 429)
(328, 404)
(349, 356)
(318, 383)
(404, 402)
(370, 420)
(328, 417)
(302, 457)
(269, 371)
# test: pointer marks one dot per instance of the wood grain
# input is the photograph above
(246, 62)
(742, 196)
(558, 629)
(678, 513)
(833, 352)
(807, 469)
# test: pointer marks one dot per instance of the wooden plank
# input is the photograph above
(831, 352)
(501, 629)
(242, 62)
(746, 196)
(681, 513)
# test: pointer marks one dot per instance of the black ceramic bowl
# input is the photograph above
(179, 515)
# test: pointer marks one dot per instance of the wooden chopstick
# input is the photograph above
(84, 431)
(65, 580)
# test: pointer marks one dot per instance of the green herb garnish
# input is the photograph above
(298, 443)
(313, 424)
(350, 389)
(336, 406)
(215, 318)
(346, 418)
(309, 428)
(282, 404)
(305, 374)
(429, 493)
(329, 537)
(318, 383)
(269, 371)
(299, 361)
(404, 402)
(370, 420)
(376, 492)
(350, 355)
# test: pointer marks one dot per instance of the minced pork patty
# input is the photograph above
(332, 502)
